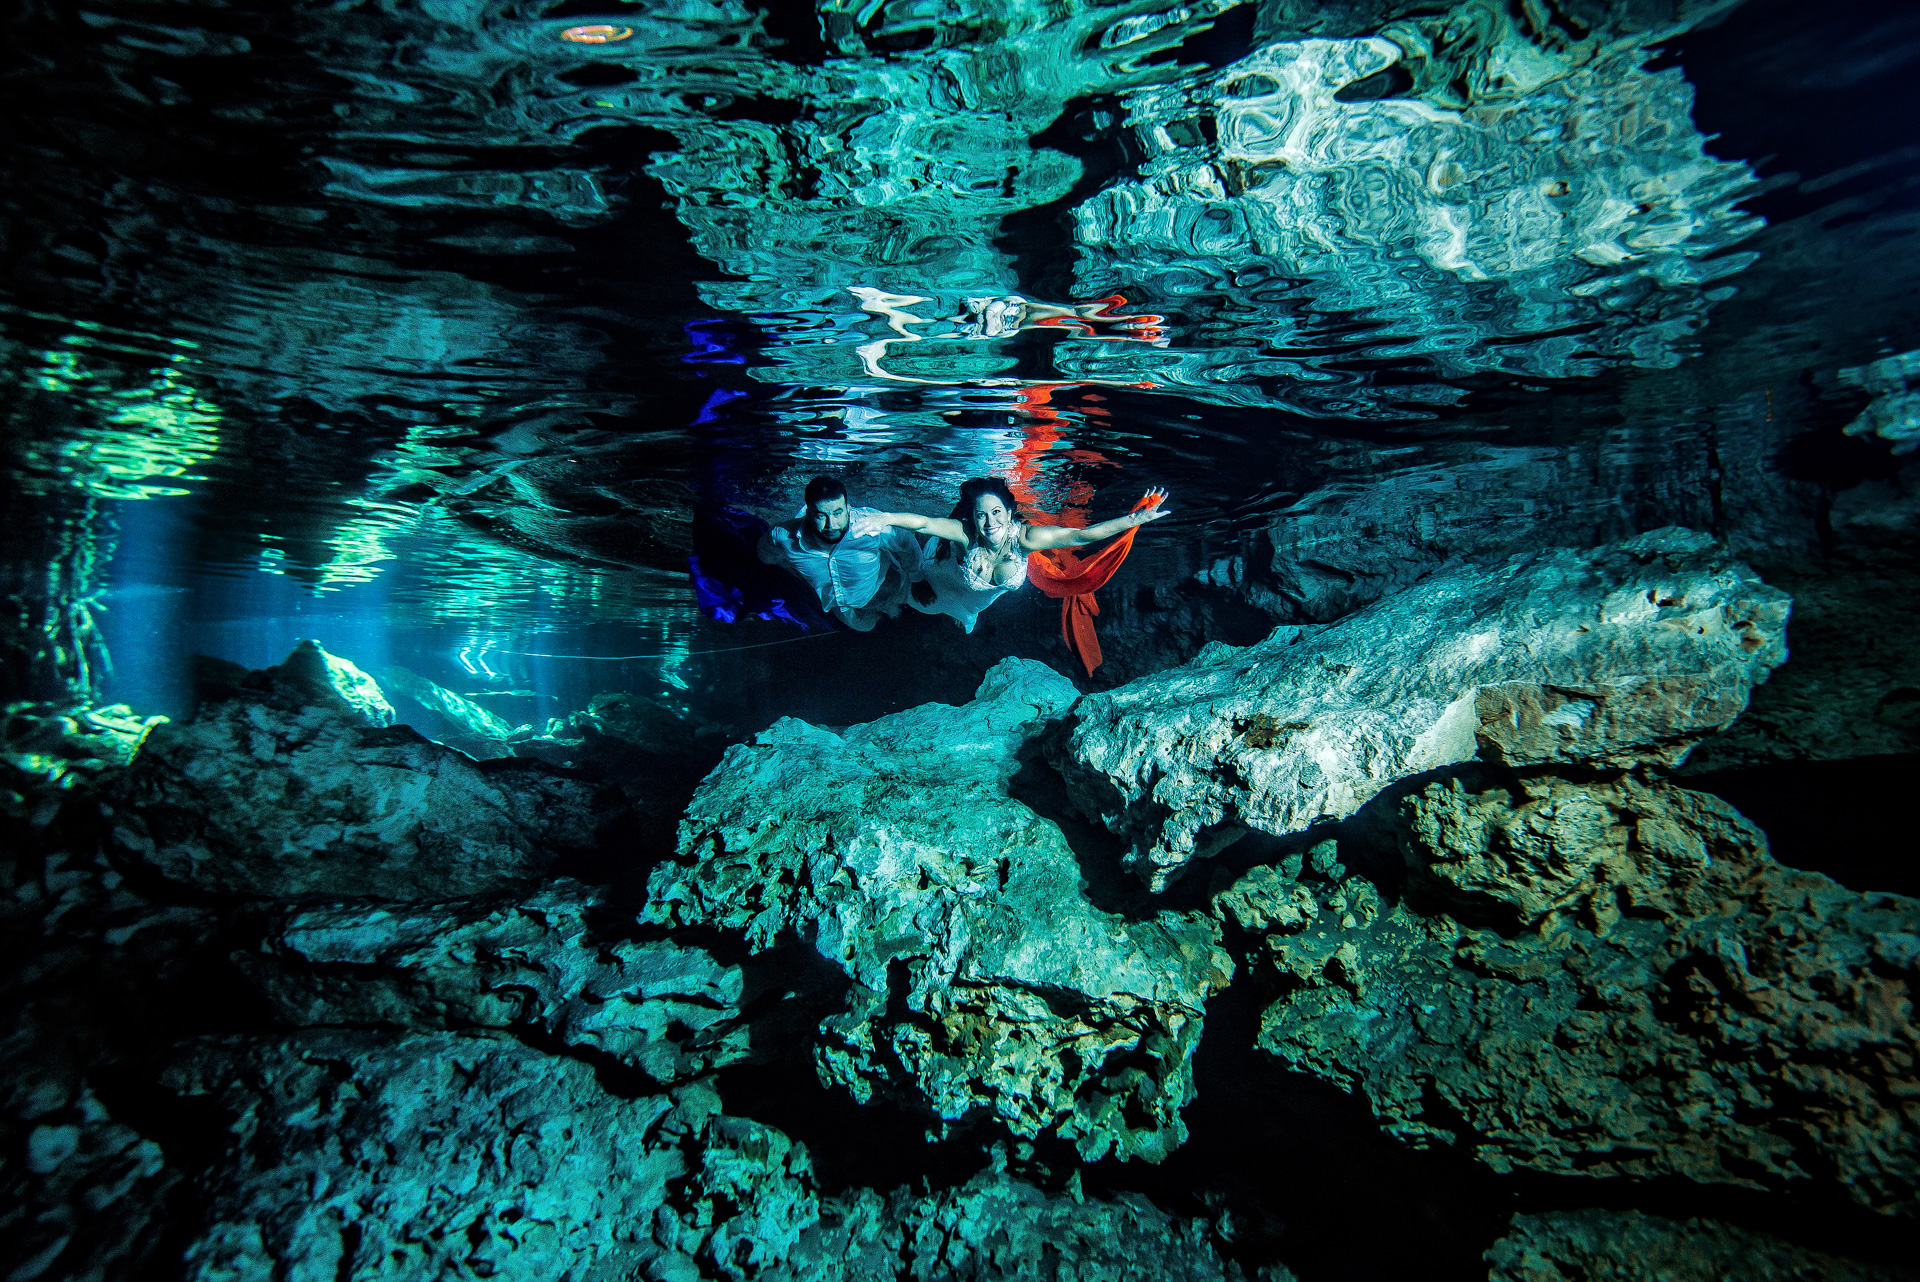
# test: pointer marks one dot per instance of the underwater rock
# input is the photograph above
(984, 981)
(997, 1227)
(668, 1010)
(477, 727)
(311, 677)
(83, 1194)
(1852, 688)
(274, 795)
(88, 969)
(1632, 1246)
(1618, 656)
(1607, 978)
(1894, 412)
(47, 749)
(370, 1155)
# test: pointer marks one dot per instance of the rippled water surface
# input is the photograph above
(423, 327)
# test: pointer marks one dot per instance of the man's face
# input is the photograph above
(828, 519)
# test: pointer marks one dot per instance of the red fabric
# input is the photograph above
(1074, 579)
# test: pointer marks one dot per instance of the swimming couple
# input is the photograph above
(864, 564)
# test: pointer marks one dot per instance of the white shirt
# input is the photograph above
(847, 574)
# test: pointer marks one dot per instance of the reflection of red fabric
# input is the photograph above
(1060, 573)
(1042, 434)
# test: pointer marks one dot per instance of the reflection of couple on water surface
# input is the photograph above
(864, 564)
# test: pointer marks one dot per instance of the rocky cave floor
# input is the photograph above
(1539, 929)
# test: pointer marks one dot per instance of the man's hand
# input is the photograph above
(868, 524)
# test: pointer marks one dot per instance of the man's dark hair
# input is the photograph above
(824, 488)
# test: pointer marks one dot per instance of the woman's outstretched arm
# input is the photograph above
(1038, 538)
(879, 522)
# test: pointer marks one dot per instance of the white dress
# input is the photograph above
(960, 589)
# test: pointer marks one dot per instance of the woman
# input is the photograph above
(983, 546)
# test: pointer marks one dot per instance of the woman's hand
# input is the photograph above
(867, 524)
(1153, 513)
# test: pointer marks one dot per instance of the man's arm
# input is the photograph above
(772, 547)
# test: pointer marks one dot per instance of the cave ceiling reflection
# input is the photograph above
(456, 293)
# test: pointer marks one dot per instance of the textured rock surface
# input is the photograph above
(475, 730)
(993, 1227)
(1617, 656)
(1852, 688)
(1630, 1246)
(1609, 978)
(533, 964)
(983, 979)
(87, 965)
(367, 1155)
(268, 795)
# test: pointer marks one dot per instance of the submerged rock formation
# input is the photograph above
(88, 966)
(1631, 1246)
(371, 1155)
(1619, 656)
(995, 1227)
(530, 965)
(984, 982)
(1609, 977)
(294, 787)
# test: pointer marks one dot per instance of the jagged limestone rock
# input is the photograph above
(46, 749)
(669, 1010)
(89, 967)
(995, 1227)
(265, 795)
(1617, 656)
(85, 1194)
(312, 677)
(370, 1155)
(1611, 978)
(484, 729)
(1632, 1246)
(984, 982)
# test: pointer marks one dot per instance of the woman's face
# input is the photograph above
(991, 519)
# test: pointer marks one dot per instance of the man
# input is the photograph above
(859, 578)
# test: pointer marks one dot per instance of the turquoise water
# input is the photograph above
(423, 330)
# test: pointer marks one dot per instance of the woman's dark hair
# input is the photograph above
(970, 492)
(822, 489)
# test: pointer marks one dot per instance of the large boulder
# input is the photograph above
(531, 964)
(1606, 977)
(984, 982)
(1620, 656)
(289, 789)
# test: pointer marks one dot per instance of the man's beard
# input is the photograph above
(831, 536)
